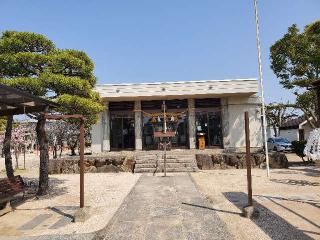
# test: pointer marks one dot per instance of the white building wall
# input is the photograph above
(290, 134)
(97, 136)
(236, 108)
(307, 130)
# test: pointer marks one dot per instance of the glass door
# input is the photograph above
(122, 133)
(209, 125)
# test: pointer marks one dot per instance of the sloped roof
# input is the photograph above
(14, 101)
(293, 123)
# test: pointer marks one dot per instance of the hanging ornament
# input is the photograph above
(159, 120)
(172, 118)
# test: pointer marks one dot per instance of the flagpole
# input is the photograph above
(264, 122)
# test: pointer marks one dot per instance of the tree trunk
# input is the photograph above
(44, 156)
(55, 151)
(73, 151)
(61, 149)
(275, 131)
(16, 155)
(7, 147)
(318, 106)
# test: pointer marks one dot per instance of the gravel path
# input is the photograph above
(50, 217)
(165, 208)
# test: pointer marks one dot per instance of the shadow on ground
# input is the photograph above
(272, 224)
(295, 182)
(31, 187)
(308, 171)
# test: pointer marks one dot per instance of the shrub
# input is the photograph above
(298, 148)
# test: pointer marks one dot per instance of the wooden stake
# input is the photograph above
(82, 164)
(248, 160)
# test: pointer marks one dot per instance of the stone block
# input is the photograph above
(99, 163)
(204, 161)
(128, 164)
(91, 169)
(217, 158)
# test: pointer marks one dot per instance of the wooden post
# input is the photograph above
(248, 160)
(165, 157)
(81, 163)
(24, 157)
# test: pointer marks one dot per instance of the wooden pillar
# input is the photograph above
(248, 158)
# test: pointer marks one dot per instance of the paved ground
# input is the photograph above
(165, 208)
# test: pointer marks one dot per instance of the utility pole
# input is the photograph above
(264, 121)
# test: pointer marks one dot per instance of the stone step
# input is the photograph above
(161, 155)
(169, 165)
(162, 160)
(152, 170)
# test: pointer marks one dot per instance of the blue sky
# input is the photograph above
(167, 40)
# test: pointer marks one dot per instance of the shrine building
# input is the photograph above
(136, 115)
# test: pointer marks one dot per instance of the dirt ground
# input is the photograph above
(288, 201)
(53, 214)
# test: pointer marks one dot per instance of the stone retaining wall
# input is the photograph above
(126, 163)
(92, 164)
(238, 160)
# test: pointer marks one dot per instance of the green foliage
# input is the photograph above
(295, 58)
(3, 123)
(32, 63)
(80, 105)
(298, 148)
(15, 42)
(307, 104)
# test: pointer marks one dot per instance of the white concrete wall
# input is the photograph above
(307, 130)
(290, 134)
(236, 134)
(189, 89)
(97, 136)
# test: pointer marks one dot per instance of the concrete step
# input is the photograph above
(181, 162)
(169, 165)
(161, 155)
(172, 160)
(152, 170)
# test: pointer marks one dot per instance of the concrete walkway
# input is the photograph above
(165, 208)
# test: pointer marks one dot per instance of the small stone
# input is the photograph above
(91, 169)
(250, 212)
(81, 215)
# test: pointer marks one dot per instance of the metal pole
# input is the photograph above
(248, 160)
(264, 122)
(81, 163)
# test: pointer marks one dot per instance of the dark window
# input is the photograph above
(207, 102)
(121, 106)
